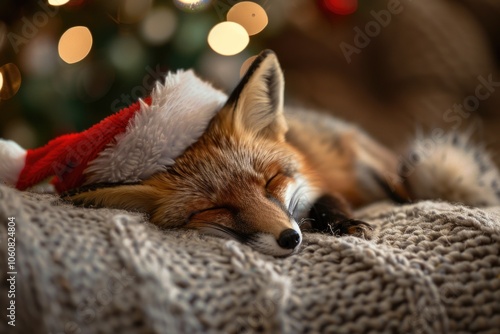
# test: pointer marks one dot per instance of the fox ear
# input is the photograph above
(256, 104)
(135, 197)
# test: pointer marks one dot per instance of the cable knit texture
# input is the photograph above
(431, 268)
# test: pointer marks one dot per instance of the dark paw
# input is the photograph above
(352, 227)
(355, 228)
(330, 215)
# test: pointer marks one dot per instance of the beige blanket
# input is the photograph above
(432, 268)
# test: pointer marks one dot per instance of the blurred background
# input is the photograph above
(394, 67)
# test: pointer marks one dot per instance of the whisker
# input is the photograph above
(299, 198)
(295, 199)
(305, 220)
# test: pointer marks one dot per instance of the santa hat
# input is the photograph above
(128, 146)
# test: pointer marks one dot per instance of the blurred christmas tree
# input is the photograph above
(64, 65)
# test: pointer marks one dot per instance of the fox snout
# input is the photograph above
(287, 242)
(275, 231)
(262, 223)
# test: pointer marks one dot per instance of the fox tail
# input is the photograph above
(451, 168)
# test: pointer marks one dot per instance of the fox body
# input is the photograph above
(261, 173)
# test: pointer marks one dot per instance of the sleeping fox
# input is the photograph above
(261, 173)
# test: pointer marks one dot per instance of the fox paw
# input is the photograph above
(331, 215)
(353, 227)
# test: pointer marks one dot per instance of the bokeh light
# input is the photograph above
(159, 25)
(3, 34)
(223, 71)
(246, 64)
(132, 11)
(58, 2)
(1, 81)
(21, 132)
(127, 54)
(94, 81)
(75, 44)
(228, 38)
(191, 34)
(250, 15)
(11, 81)
(192, 5)
(40, 56)
(341, 7)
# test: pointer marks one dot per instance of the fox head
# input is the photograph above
(240, 180)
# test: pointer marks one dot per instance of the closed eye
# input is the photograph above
(268, 183)
(208, 215)
(217, 221)
(197, 212)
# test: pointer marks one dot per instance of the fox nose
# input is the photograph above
(289, 239)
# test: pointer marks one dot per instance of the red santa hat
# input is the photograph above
(128, 146)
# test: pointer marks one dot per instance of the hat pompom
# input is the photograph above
(12, 161)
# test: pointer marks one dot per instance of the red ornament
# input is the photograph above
(341, 7)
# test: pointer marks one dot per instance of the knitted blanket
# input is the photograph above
(431, 268)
